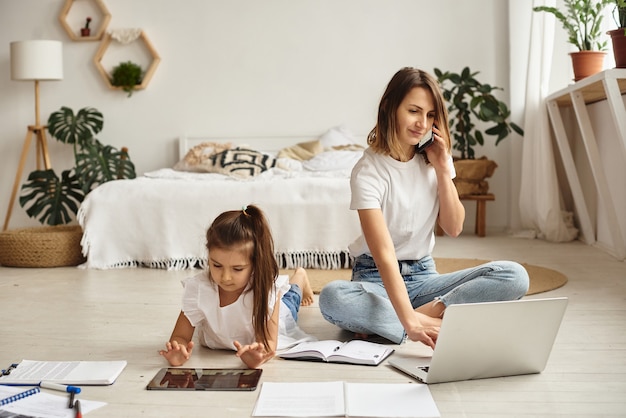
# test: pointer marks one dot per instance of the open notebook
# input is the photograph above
(30, 372)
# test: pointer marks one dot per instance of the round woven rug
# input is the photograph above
(541, 279)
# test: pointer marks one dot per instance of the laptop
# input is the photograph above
(490, 339)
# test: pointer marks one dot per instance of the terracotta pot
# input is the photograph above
(85, 32)
(618, 37)
(586, 63)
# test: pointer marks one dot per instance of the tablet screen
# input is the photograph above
(205, 379)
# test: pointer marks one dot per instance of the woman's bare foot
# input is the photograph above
(302, 279)
(428, 321)
(434, 310)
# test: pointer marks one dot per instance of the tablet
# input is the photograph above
(205, 379)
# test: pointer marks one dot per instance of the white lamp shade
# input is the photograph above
(37, 60)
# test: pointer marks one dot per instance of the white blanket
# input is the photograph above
(159, 220)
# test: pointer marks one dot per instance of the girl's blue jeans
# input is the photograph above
(362, 305)
(292, 299)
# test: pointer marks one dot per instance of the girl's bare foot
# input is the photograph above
(302, 279)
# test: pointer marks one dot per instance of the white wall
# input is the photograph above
(258, 68)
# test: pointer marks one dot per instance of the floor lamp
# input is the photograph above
(34, 61)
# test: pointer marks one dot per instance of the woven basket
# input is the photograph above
(47, 246)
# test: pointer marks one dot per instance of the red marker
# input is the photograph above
(79, 413)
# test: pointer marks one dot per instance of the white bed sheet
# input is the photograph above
(159, 220)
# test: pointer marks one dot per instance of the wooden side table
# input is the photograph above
(481, 213)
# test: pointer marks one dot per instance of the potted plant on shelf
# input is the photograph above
(55, 201)
(470, 102)
(618, 36)
(582, 20)
(86, 31)
(127, 75)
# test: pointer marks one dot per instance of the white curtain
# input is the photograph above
(540, 209)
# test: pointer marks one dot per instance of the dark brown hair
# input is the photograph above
(242, 227)
(383, 138)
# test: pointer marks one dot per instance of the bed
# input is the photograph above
(159, 219)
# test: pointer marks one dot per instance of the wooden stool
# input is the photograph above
(481, 212)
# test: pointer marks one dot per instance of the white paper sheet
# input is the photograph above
(338, 399)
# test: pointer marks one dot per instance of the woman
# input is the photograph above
(400, 194)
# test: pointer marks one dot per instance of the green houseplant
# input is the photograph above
(471, 105)
(582, 21)
(127, 75)
(471, 101)
(53, 200)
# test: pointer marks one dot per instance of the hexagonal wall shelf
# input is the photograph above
(106, 41)
(93, 8)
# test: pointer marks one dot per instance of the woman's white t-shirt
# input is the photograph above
(406, 192)
(218, 327)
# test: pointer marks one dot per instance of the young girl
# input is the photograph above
(240, 303)
(400, 194)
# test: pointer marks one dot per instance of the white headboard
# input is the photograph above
(338, 135)
(271, 144)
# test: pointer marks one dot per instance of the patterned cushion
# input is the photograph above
(241, 162)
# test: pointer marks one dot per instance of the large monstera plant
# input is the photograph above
(55, 201)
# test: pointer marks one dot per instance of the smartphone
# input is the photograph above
(427, 141)
(205, 379)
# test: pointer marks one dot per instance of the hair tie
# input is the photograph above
(243, 209)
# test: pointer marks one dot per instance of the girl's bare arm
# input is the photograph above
(257, 353)
(178, 349)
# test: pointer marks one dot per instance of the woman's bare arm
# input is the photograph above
(419, 327)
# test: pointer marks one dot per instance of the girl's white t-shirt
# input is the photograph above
(406, 192)
(218, 327)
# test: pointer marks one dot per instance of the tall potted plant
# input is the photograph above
(53, 200)
(582, 20)
(471, 105)
(618, 36)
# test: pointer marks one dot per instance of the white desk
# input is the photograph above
(608, 85)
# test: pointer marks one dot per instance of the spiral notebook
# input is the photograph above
(19, 396)
(33, 402)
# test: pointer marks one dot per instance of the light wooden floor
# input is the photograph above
(77, 314)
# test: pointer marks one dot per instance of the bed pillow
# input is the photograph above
(197, 158)
(337, 136)
(333, 160)
(241, 162)
(302, 151)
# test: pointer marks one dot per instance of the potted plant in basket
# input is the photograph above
(582, 20)
(470, 102)
(53, 200)
(127, 75)
(618, 36)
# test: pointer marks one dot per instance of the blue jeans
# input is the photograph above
(362, 305)
(292, 299)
